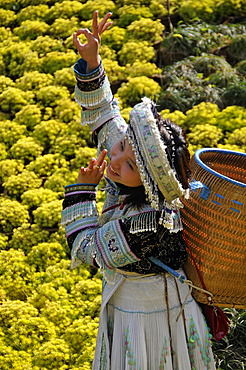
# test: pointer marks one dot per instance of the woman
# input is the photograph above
(148, 319)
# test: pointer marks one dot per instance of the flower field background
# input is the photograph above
(187, 55)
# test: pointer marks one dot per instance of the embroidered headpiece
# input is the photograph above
(155, 170)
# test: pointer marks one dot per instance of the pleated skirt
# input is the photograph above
(153, 323)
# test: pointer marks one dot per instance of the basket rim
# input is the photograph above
(215, 173)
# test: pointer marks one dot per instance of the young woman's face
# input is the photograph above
(122, 167)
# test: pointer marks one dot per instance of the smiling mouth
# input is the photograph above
(112, 171)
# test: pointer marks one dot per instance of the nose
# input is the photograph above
(115, 160)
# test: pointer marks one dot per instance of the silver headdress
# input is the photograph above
(151, 156)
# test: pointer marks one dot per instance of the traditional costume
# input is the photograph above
(148, 319)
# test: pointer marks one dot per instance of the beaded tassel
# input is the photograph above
(77, 211)
(143, 222)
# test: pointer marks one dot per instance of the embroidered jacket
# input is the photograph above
(122, 237)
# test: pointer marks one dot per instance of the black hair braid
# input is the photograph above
(177, 152)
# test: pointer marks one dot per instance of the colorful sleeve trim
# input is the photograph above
(74, 188)
(80, 71)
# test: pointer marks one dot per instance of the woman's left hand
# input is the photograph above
(93, 173)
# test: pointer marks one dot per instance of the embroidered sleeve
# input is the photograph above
(105, 245)
(79, 210)
(88, 241)
(99, 109)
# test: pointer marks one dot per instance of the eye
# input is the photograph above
(130, 165)
(122, 146)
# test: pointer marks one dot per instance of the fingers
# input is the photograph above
(98, 29)
(100, 159)
(81, 31)
(95, 25)
(99, 163)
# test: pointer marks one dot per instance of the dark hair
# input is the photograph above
(176, 147)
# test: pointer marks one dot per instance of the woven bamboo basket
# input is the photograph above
(214, 220)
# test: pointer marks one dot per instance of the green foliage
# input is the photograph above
(12, 99)
(11, 132)
(47, 132)
(53, 354)
(236, 94)
(32, 12)
(18, 58)
(231, 118)
(35, 197)
(115, 37)
(137, 30)
(50, 95)
(44, 255)
(238, 137)
(184, 87)
(30, 116)
(130, 13)
(12, 215)
(138, 69)
(136, 50)
(62, 28)
(46, 165)
(205, 136)
(65, 77)
(56, 60)
(61, 178)
(34, 81)
(16, 185)
(7, 17)
(46, 44)
(68, 111)
(26, 236)
(26, 149)
(207, 64)
(48, 215)
(230, 352)
(5, 82)
(91, 5)
(64, 10)
(241, 67)
(31, 29)
(10, 167)
(132, 91)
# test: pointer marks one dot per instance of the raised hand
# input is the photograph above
(93, 173)
(90, 50)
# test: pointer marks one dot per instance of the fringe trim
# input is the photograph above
(170, 219)
(95, 98)
(96, 117)
(80, 210)
(143, 222)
